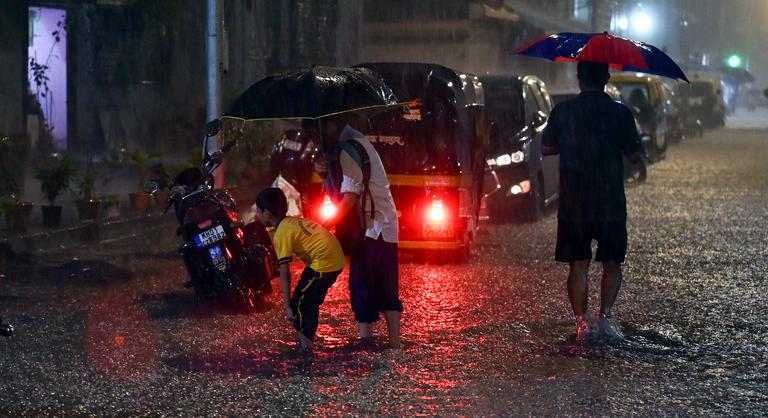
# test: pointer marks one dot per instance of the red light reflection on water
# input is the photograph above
(120, 338)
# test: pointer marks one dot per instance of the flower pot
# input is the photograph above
(111, 207)
(18, 215)
(51, 216)
(161, 199)
(140, 202)
(88, 209)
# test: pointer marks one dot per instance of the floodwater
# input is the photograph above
(494, 337)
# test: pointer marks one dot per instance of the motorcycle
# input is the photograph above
(223, 256)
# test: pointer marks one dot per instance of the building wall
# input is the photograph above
(13, 55)
(472, 36)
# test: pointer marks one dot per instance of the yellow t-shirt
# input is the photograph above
(310, 242)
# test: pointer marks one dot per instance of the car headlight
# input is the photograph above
(507, 159)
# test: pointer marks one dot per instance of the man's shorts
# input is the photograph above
(373, 280)
(574, 241)
(307, 297)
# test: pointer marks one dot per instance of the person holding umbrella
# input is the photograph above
(591, 133)
(364, 190)
(328, 100)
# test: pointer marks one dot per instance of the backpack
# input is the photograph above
(350, 230)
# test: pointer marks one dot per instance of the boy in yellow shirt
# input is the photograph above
(312, 244)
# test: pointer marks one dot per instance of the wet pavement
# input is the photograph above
(114, 331)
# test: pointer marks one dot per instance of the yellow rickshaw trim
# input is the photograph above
(430, 245)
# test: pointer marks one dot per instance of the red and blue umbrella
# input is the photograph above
(619, 53)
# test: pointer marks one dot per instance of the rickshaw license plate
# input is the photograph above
(210, 236)
(438, 230)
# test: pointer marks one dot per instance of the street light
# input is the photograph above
(623, 23)
(642, 23)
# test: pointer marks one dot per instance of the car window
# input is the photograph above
(507, 113)
(632, 93)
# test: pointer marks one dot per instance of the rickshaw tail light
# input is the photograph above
(437, 212)
(328, 209)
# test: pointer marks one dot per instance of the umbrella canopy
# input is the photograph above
(620, 53)
(313, 93)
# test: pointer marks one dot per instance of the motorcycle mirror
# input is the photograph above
(213, 128)
(150, 187)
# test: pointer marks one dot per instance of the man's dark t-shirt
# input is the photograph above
(592, 132)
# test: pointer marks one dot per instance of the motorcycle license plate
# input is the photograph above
(210, 236)
(438, 230)
(217, 257)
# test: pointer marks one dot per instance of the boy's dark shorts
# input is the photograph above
(373, 280)
(574, 240)
(307, 297)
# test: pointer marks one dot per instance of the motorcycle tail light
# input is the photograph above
(229, 254)
(327, 209)
(233, 216)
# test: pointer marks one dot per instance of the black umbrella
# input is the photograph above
(313, 93)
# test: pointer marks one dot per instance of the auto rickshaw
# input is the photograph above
(434, 155)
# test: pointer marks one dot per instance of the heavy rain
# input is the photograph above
(458, 177)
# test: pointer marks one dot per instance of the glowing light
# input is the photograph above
(642, 22)
(437, 213)
(505, 159)
(623, 23)
(520, 188)
(734, 61)
(328, 210)
(119, 340)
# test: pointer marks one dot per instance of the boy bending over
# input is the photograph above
(312, 244)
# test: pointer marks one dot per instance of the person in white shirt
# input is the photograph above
(374, 269)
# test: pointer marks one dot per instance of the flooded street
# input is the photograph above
(492, 338)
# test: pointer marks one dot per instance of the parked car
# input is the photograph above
(517, 109)
(645, 95)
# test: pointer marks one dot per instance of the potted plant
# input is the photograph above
(17, 212)
(111, 202)
(54, 175)
(87, 204)
(13, 155)
(140, 200)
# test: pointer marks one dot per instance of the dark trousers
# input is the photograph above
(373, 280)
(307, 297)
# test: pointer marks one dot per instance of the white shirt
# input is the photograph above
(384, 223)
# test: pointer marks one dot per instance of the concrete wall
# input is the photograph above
(13, 56)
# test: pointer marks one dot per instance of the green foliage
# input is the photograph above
(143, 161)
(9, 188)
(54, 175)
(86, 182)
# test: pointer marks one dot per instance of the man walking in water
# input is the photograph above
(591, 133)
